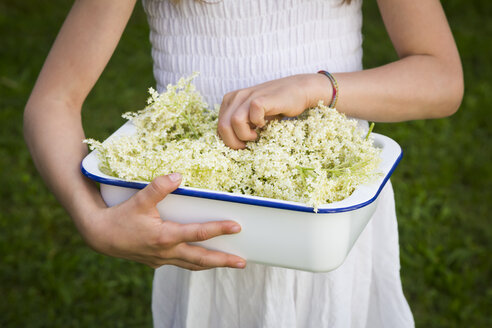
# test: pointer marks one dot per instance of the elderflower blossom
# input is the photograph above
(318, 158)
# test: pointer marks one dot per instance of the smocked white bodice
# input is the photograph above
(235, 44)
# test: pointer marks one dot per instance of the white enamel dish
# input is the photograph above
(274, 232)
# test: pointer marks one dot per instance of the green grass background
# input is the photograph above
(49, 278)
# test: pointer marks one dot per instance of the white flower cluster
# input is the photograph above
(318, 158)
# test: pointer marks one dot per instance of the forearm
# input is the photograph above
(54, 136)
(415, 87)
(427, 80)
(52, 122)
(53, 131)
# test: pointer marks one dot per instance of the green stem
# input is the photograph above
(345, 166)
(306, 171)
(192, 127)
(370, 130)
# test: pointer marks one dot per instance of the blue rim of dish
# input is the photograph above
(210, 194)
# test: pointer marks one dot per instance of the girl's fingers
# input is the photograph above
(202, 257)
(181, 264)
(159, 188)
(237, 123)
(193, 232)
(157, 261)
(230, 101)
(241, 124)
(226, 132)
(173, 247)
(257, 112)
(272, 105)
(274, 117)
(227, 110)
(173, 233)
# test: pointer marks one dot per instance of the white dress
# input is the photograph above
(240, 43)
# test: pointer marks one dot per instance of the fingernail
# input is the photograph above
(240, 265)
(235, 229)
(174, 177)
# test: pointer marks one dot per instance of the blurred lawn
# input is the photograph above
(49, 278)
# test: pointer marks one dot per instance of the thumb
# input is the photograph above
(159, 188)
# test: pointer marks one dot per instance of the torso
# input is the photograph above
(237, 44)
(241, 43)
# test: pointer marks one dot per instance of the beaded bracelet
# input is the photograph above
(334, 84)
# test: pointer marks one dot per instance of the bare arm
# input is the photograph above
(54, 134)
(52, 122)
(426, 82)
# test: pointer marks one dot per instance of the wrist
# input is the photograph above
(94, 230)
(334, 87)
(320, 88)
(88, 212)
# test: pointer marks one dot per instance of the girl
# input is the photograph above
(258, 58)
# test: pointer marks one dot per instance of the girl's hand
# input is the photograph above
(242, 111)
(134, 230)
